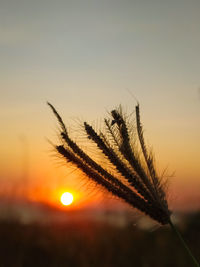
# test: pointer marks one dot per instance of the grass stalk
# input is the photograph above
(185, 246)
(140, 193)
(145, 190)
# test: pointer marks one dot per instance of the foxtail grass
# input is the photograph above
(130, 172)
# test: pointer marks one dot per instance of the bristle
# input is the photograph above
(128, 152)
(58, 117)
(120, 166)
(156, 182)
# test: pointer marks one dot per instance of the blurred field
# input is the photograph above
(85, 243)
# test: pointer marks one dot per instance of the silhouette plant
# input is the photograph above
(129, 173)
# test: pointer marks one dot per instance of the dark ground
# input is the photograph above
(84, 244)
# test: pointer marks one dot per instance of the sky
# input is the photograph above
(87, 57)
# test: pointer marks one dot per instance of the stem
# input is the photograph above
(195, 262)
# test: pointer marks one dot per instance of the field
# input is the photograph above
(85, 243)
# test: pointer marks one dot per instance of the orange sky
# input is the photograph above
(31, 168)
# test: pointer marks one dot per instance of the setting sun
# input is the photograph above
(66, 198)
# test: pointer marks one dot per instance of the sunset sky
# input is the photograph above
(87, 57)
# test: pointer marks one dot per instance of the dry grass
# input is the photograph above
(135, 179)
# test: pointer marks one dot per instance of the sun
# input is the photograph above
(66, 198)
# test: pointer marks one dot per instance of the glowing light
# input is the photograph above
(66, 198)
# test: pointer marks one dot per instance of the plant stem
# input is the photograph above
(195, 262)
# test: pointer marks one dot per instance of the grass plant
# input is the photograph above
(129, 172)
